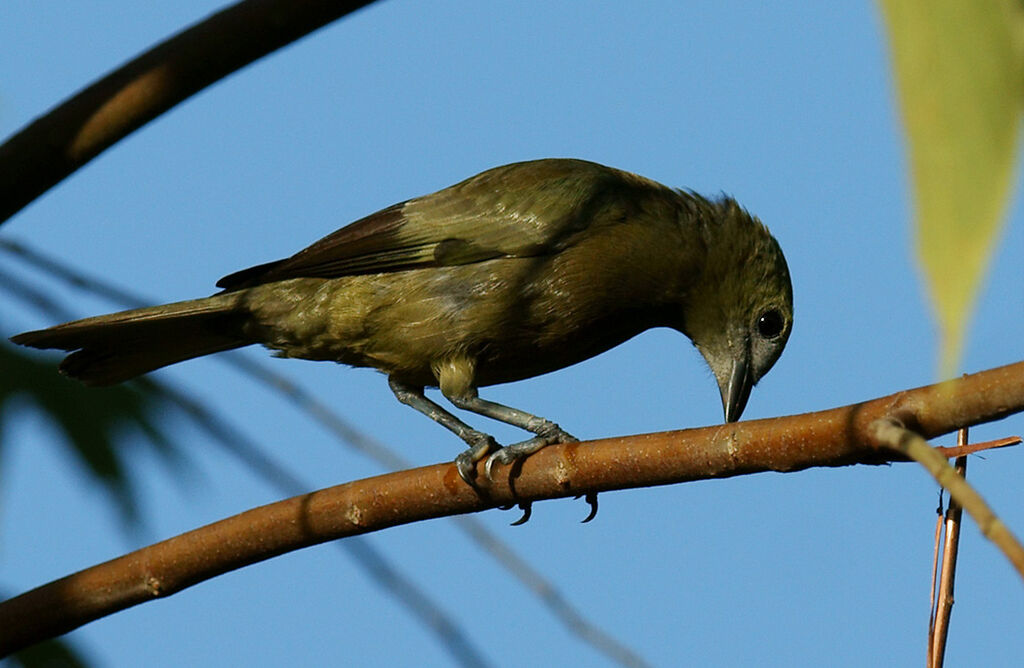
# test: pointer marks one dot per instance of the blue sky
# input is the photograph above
(787, 107)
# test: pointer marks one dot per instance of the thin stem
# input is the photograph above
(951, 548)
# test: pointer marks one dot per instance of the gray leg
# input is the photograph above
(547, 431)
(479, 443)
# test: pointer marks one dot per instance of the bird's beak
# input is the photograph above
(737, 390)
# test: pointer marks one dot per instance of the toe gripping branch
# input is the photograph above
(481, 445)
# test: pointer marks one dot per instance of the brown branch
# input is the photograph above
(73, 133)
(836, 437)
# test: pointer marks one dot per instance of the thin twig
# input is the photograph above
(891, 433)
(549, 595)
(33, 295)
(935, 575)
(951, 548)
(65, 272)
(971, 448)
(307, 403)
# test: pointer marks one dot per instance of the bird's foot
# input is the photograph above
(510, 454)
(466, 462)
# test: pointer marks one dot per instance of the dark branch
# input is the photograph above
(55, 145)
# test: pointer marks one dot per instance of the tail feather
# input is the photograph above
(109, 349)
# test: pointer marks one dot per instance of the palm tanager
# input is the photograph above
(515, 272)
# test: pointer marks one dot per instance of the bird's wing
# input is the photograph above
(519, 210)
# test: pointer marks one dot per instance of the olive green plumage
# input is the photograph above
(518, 271)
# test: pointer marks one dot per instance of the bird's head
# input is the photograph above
(740, 312)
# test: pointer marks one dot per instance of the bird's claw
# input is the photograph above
(591, 498)
(466, 467)
(506, 455)
(466, 460)
(527, 508)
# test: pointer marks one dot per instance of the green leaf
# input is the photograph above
(958, 71)
(93, 420)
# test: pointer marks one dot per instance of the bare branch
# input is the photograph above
(73, 133)
(836, 437)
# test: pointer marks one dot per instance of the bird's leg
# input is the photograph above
(479, 443)
(547, 431)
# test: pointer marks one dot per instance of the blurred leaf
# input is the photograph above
(958, 70)
(92, 419)
(49, 654)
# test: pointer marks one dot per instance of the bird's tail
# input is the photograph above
(108, 349)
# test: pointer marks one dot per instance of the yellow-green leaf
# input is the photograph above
(958, 73)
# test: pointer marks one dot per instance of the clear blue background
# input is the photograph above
(786, 106)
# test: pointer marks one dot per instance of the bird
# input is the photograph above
(521, 270)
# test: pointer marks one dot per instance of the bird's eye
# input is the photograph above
(770, 324)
